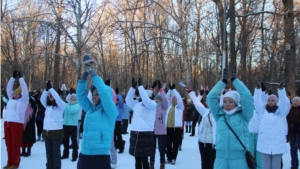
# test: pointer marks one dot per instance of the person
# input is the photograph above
(40, 115)
(174, 123)
(14, 119)
(3, 98)
(160, 131)
(188, 116)
(29, 127)
(118, 126)
(235, 112)
(293, 120)
(53, 125)
(99, 120)
(207, 130)
(142, 124)
(70, 126)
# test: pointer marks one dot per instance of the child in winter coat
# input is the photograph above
(271, 137)
(236, 111)
(99, 119)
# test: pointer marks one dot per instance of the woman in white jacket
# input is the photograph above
(271, 138)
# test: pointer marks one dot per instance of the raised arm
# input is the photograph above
(43, 98)
(198, 105)
(129, 98)
(121, 101)
(168, 95)
(179, 99)
(283, 103)
(83, 100)
(60, 103)
(212, 98)
(25, 94)
(258, 102)
(149, 104)
(9, 88)
(163, 98)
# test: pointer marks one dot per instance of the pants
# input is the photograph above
(271, 161)
(173, 136)
(252, 148)
(294, 153)
(39, 126)
(113, 153)
(124, 126)
(194, 123)
(208, 155)
(118, 135)
(93, 161)
(13, 133)
(70, 131)
(53, 153)
(161, 147)
(180, 138)
(78, 133)
(141, 163)
(188, 123)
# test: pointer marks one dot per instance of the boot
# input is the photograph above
(151, 166)
(6, 167)
(13, 167)
(190, 127)
(121, 147)
(162, 166)
(28, 153)
(186, 129)
(74, 154)
(23, 152)
(39, 138)
(179, 147)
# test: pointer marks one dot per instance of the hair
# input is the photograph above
(51, 103)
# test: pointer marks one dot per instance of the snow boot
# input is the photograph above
(23, 151)
(28, 153)
(162, 166)
(39, 138)
(151, 165)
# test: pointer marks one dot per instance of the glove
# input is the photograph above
(263, 87)
(154, 84)
(270, 92)
(201, 92)
(225, 76)
(72, 91)
(48, 85)
(107, 82)
(257, 83)
(233, 74)
(158, 84)
(15, 74)
(133, 83)
(88, 63)
(170, 86)
(20, 75)
(146, 87)
(281, 84)
(173, 86)
(207, 90)
(117, 91)
(140, 82)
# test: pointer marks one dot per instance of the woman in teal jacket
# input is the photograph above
(237, 109)
(99, 120)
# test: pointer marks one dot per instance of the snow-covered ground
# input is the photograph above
(188, 158)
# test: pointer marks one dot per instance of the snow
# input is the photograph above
(189, 157)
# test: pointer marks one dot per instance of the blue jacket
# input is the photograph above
(227, 145)
(126, 112)
(120, 107)
(71, 114)
(99, 120)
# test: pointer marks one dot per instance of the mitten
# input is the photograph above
(154, 84)
(225, 77)
(201, 92)
(281, 84)
(140, 82)
(20, 75)
(233, 74)
(173, 86)
(107, 82)
(133, 83)
(257, 83)
(170, 86)
(158, 84)
(48, 85)
(15, 74)
(263, 87)
(117, 91)
(88, 65)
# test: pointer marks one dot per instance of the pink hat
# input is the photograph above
(274, 97)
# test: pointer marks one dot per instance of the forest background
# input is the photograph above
(170, 40)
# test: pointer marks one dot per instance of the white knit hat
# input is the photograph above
(149, 92)
(233, 95)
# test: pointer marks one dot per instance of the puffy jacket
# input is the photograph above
(159, 123)
(226, 142)
(292, 117)
(126, 112)
(178, 109)
(71, 114)
(120, 107)
(99, 121)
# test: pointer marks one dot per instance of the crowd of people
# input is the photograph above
(230, 122)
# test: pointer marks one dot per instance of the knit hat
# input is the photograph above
(233, 95)
(189, 100)
(74, 95)
(274, 97)
(158, 96)
(149, 92)
(296, 99)
(18, 90)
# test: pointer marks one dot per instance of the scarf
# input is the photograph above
(271, 109)
(158, 104)
(71, 102)
(231, 111)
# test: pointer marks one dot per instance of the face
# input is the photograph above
(174, 100)
(73, 98)
(228, 103)
(157, 100)
(271, 102)
(17, 96)
(296, 103)
(95, 97)
(50, 97)
(117, 101)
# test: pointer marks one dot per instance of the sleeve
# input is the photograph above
(179, 99)
(68, 97)
(198, 105)
(43, 98)
(60, 103)
(149, 104)
(121, 101)
(212, 98)
(83, 100)
(258, 103)
(73, 109)
(246, 99)
(25, 94)
(284, 103)
(264, 98)
(9, 88)
(163, 98)
(129, 97)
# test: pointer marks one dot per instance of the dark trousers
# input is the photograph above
(53, 153)
(208, 155)
(93, 161)
(70, 131)
(124, 126)
(294, 153)
(173, 136)
(141, 163)
(161, 147)
(39, 126)
(118, 136)
(194, 123)
(180, 138)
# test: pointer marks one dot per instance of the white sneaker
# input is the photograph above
(113, 166)
(173, 162)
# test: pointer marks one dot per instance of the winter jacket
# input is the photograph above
(99, 121)
(189, 112)
(141, 143)
(254, 123)
(126, 112)
(159, 123)
(15, 108)
(227, 146)
(271, 137)
(207, 128)
(120, 107)
(178, 109)
(54, 114)
(71, 114)
(293, 117)
(143, 112)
